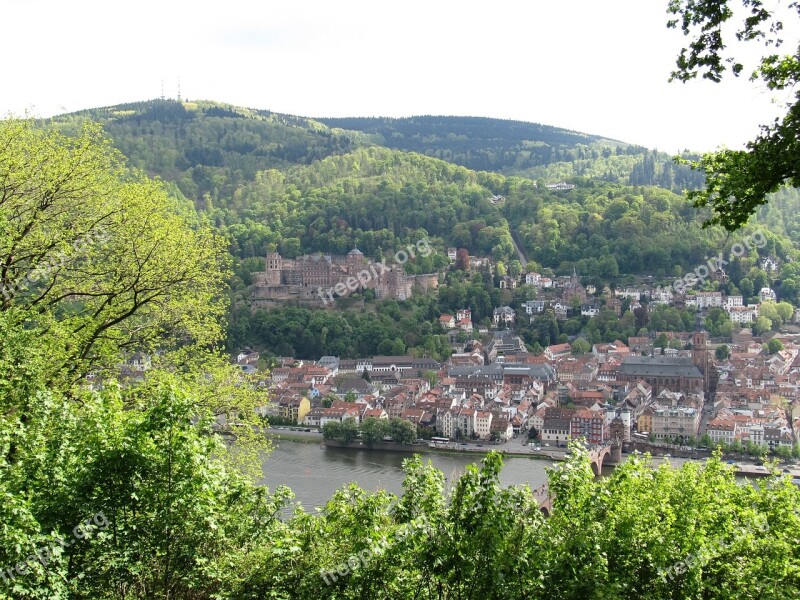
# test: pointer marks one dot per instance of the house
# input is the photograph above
(766, 294)
(357, 386)
(732, 301)
(502, 427)
(546, 282)
(705, 300)
(446, 424)
(483, 424)
(661, 295)
(644, 424)
(447, 321)
(451, 254)
(340, 411)
(508, 283)
(743, 314)
(533, 279)
(769, 264)
(294, 408)
(558, 351)
(502, 343)
(314, 417)
(556, 426)
(247, 357)
(590, 310)
(503, 316)
(466, 421)
(722, 431)
(534, 307)
(561, 310)
(590, 425)
(560, 186)
(375, 413)
(676, 422)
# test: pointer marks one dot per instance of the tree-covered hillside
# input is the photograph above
(527, 149)
(268, 181)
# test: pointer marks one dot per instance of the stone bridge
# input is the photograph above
(608, 453)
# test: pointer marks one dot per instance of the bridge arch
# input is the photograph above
(599, 457)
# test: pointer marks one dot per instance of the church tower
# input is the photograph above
(700, 352)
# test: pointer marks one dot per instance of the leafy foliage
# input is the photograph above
(739, 181)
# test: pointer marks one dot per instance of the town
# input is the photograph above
(665, 387)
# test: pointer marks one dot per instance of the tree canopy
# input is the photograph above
(738, 181)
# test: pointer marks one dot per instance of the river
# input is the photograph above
(315, 472)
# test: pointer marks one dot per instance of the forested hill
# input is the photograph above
(181, 140)
(269, 181)
(528, 149)
(189, 142)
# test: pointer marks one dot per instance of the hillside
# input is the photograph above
(528, 149)
(278, 182)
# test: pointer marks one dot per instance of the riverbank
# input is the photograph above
(465, 449)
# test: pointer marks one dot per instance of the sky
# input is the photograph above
(586, 65)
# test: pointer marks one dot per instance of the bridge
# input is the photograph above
(608, 453)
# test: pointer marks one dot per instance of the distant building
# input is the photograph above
(534, 307)
(662, 372)
(503, 316)
(560, 186)
(590, 310)
(447, 321)
(676, 422)
(533, 279)
(766, 294)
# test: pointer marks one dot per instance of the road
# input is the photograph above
(522, 259)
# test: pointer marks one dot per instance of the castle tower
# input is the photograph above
(355, 257)
(274, 268)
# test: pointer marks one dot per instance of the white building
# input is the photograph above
(732, 301)
(533, 278)
(766, 294)
(503, 316)
(705, 300)
(743, 314)
(483, 424)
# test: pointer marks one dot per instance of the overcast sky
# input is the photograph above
(599, 67)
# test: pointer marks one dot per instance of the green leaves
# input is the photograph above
(738, 181)
(100, 251)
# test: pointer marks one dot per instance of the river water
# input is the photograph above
(315, 472)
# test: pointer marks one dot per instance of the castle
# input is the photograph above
(308, 278)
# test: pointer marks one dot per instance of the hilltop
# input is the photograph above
(270, 181)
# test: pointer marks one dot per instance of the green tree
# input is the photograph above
(102, 249)
(774, 346)
(401, 430)
(746, 176)
(580, 346)
(722, 352)
(762, 325)
(373, 430)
